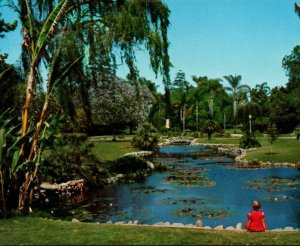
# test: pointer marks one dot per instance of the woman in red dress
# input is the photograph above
(256, 219)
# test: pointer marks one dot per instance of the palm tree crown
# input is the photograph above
(235, 88)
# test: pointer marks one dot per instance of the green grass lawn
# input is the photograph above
(283, 150)
(109, 150)
(37, 231)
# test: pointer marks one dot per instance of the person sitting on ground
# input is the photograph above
(256, 219)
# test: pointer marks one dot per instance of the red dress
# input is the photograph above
(256, 221)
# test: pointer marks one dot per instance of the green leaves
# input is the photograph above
(49, 27)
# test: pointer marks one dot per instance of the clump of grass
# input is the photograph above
(160, 167)
(254, 163)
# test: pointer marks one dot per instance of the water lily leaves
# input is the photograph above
(186, 201)
(272, 184)
(189, 177)
(280, 198)
(145, 189)
(205, 212)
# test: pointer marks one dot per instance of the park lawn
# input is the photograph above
(283, 150)
(111, 150)
(39, 231)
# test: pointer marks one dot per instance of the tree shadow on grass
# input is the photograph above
(271, 153)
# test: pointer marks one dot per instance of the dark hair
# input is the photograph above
(256, 205)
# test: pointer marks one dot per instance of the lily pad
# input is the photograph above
(189, 177)
(148, 190)
(272, 184)
(186, 201)
(205, 212)
(280, 198)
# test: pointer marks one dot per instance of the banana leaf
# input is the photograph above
(29, 23)
(45, 32)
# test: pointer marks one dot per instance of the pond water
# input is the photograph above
(199, 181)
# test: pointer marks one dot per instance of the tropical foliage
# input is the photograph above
(67, 84)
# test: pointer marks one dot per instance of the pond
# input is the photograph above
(199, 181)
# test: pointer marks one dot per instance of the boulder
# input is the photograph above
(75, 220)
(239, 226)
(288, 228)
(178, 225)
(120, 223)
(219, 227)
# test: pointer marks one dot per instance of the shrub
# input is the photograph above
(70, 162)
(248, 140)
(129, 164)
(146, 138)
(254, 163)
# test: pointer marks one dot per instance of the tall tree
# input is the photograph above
(235, 88)
(181, 86)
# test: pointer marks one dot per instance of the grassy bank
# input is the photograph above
(283, 150)
(109, 150)
(36, 231)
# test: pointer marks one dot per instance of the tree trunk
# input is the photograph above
(25, 115)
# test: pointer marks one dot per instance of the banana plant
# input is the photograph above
(36, 48)
(10, 153)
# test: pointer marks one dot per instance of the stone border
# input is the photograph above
(238, 154)
(238, 227)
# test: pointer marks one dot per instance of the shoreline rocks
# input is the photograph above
(238, 226)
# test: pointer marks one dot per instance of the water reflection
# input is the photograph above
(225, 202)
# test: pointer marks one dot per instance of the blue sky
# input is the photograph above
(217, 37)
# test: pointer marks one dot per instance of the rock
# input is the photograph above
(178, 225)
(229, 228)
(167, 223)
(207, 227)
(277, 229)
(135, 222)
(150, 165)
(219, 227)
(75, 220)
(130, 222)
(239, 226)
(109, 222)
(159, 224)
(120, 175)
(288, 228)
(120, 223)
(190, 225)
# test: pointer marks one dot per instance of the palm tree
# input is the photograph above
(235, 89)
(263, 87)
(213, 87)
